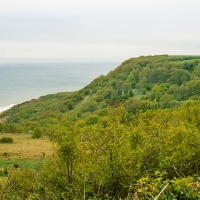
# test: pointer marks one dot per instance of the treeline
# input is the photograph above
(120, 157)
(151, 78)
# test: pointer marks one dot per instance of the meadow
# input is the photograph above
(24, 151)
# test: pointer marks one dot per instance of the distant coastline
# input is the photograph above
(4, 108)
(24, 80)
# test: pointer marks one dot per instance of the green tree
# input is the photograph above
(107, 149)
(178, 76)
(37, 133)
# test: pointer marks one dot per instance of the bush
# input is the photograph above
(37, 133)
(71, 105)
(93, 119)
(177, 188)
(6, 140)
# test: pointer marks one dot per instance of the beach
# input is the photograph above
(4, 108)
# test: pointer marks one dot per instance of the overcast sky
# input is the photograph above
(98, 29)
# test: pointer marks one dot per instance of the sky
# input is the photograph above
(98, 29)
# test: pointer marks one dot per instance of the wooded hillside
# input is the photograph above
(132, 134)
(139, 84)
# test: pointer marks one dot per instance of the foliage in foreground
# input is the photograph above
(26, 184)
(120, 157)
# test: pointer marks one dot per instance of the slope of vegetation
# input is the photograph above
(133, 134)
(139, 83)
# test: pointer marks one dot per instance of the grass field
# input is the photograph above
(25, 151)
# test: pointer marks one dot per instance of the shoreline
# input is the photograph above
(4, 108)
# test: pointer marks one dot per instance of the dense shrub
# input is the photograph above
(93, 119)
(6, 140)
(37, 133)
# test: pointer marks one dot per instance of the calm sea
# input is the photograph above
(21, 81)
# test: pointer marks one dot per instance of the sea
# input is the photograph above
(23, 80)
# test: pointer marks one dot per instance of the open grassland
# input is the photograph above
(24, 146)
(24, 151)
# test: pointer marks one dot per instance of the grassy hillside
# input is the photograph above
(139, 84)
